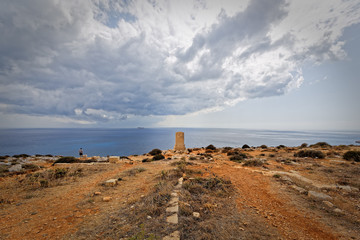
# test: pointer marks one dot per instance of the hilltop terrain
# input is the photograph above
(220, 193)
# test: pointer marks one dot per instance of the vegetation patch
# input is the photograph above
(239, 157)
(245, 146)
(21, 156)
(68, 159)
(352, 156)
(218, 216)
(158, 157)
(310, 153)
(211, 147)
(321, 145)
(155, 151)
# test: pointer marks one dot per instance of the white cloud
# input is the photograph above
(106, 60)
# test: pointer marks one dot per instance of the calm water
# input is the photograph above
(103, 142)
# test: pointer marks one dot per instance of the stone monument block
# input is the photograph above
(179, 142)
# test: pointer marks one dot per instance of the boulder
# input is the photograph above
(15, 168)
(111, 182)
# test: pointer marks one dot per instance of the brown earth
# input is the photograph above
(268, 204)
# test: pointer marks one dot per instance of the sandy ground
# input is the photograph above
(265, 197)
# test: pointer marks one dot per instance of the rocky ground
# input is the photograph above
(226, 193)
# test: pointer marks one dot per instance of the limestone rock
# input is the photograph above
(319, 196)
(338, 210)
(107, 199)
(329, 204)
(196, 214)
(111, 182)
(299, 189)
(15, 168)
(173, 219)
(97, 193)
(174, 209)
(174, 236)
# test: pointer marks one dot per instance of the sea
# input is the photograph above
(131, 141)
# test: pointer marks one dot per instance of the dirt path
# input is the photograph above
(255, 191)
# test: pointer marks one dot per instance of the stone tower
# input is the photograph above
(179, 142)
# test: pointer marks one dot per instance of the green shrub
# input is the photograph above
(263, 146)
(281, 146)
(352, 156)
(158, 157)
(320, 145)
(21, 156)
(238, 157)
(304, 145)
(245, 146)
(310, 153)
(67, 160)
(4, 157)
(155, 151)
(211, 147)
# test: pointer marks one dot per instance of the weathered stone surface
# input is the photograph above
(329, 204)
(114, 159)
(338, 210)
(174, 236)
(174, 200)
(15, 168)
(174, 209)
(299, 189)
(179, 142)
(319, 196)
(196, 214)
(97, 193)
(173, 219)
(107, 199)
(111, 182)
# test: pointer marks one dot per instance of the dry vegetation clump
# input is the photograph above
(211, 147)
(158, 157)
(143, 218)
(51, 177)
(238, 157)
(210, 197)
(155, 151)
(321, 145)
(245, 146)
(226, 149)
(310, 153)
(352, 156)
(133, 171)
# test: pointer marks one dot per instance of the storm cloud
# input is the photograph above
(108, 60)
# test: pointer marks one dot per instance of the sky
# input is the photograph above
(257, 64)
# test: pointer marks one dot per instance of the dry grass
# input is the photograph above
(211, 197)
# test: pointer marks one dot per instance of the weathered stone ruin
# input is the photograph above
(179, 142)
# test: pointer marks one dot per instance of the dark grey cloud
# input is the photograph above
(107, 60)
